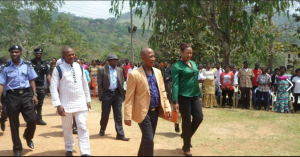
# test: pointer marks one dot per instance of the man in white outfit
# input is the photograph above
(71, 96)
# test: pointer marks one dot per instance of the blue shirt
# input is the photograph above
(13, 77)
(113, 78)
(87, 74)
(154, 92)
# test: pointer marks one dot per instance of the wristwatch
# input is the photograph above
(35, 94)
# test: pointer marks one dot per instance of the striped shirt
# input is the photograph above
(264, 79)
(73, 90)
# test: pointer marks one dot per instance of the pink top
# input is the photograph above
(280, 78)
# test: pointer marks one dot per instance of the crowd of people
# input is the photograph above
(146, 89)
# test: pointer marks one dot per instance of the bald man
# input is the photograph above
(146, 100)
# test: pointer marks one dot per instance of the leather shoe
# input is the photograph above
(69, 153)
(30, 143)
(177, 128)
(123, 138)
(17, 153)
(75, 131)
(41, 122)
(102, 133)
(3, 127)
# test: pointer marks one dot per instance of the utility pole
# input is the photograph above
(131, 31)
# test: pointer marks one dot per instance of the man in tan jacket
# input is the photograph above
(146, 100)
(245, 81)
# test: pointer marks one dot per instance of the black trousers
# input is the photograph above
(230, 95)
(296, 96)
(4, 111)
(168, 87)
(245, 98)
(16, 104)
(148, 128)
(189, 107)
(265, 102)
(40, 90)
(112, 100)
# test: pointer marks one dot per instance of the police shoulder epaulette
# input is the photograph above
(27, 62)
(6, 64)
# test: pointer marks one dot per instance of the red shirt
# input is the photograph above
(227, 80)
(256, 73)
(126, 67)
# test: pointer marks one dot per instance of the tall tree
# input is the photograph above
(228, 20)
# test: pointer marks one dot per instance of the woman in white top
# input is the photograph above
(296, 91)
(208, 76)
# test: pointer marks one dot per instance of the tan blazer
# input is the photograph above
(103, 80)
(246, 78)
(138, 97)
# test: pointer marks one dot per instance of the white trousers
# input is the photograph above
(83, 133)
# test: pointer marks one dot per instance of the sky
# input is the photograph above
(91, 9)
(100, 9)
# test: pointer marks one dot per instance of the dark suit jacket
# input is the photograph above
(103, 80)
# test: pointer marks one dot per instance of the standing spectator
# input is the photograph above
(236, 78)
(133, 67)
(4, 116)
(209, 99)
(126, 67)
(218, 73)
(296, 91)
(73, 99)
(269, 71)
(139, 64)
(281, 87)
(53, 65)
(187, 96)
(85, 66)
(120, 66)
(293, 74)
(276, 72)
(246, 76)
(227, 79)
(123, 62)
(264, 81)
(156, 65)
(94, 71)
(256, 72)
(112, 95)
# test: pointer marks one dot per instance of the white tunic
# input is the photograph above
(73, 90)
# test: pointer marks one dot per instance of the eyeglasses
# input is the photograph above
(74, 74)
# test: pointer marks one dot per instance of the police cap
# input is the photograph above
(15, 47)
(38, 50)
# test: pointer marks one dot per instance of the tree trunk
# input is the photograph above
(271, 45)
(271, 60)
(226, 53)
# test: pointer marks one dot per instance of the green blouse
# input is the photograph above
(185, 80)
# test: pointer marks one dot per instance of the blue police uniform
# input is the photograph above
(4, 113)
(19, 100)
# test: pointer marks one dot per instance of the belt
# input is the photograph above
(153, 109)
(111, 90)
(19, 91)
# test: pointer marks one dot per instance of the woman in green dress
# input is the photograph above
(282, 86)
(187, 95)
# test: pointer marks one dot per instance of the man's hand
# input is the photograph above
(61, 111)
(89, 105)
(200, 100)
(128, 122)
(35, 101)
(176, 107)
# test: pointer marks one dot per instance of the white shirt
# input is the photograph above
(236, 79)
(218, 76)
(296, 80)
(113, 77)
(207, 75)
(71, 91)
(130, 70)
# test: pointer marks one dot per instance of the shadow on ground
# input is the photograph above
(11, 153)
(163, 152)
(168, 134)
(107, 136)
(52, 134)
(52, 114)
(52, 153)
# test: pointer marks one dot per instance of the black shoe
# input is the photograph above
(30, 143)
(3, 127)
(177, 128)
(17, 153)
(191, 146)
(102, 133)
(75, 131)
(41, 122)
(69, 153)
(123, 138)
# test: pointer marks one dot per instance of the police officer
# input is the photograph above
(16, 79)
(42, 69)
(4, 113)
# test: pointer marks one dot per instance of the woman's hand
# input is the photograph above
(175, 107)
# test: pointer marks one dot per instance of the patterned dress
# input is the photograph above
(282, 99)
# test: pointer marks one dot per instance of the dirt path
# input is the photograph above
(49, 141)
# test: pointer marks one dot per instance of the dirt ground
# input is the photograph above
(223, 132)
